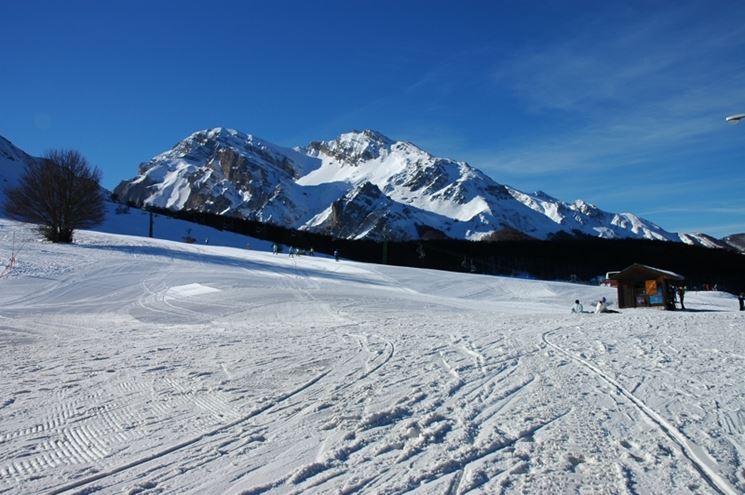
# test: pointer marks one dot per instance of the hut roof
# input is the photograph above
(638, 272)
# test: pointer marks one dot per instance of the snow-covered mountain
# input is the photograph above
(705, 240)
(361, 185)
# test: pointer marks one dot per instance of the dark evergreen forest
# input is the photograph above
(585, 259)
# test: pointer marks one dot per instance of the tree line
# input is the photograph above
(582, 259)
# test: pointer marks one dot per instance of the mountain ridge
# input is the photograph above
(360, 185)
(317, 188)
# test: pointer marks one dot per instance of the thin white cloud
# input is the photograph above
(622, 98)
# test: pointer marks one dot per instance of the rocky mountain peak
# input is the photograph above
(221, 137)
(366, 137)
(586, 208)
(354, 147)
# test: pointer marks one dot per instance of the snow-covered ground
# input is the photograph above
(135, 365)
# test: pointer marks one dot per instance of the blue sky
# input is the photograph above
(618, 103)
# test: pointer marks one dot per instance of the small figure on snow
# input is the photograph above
(275, 248)
(602, 306)
(681, 295)
(336, 254)
(741, 300)
(577, 308)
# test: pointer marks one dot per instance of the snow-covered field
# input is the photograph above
(134, 365)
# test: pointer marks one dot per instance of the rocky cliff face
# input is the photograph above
(224, 172)
(360, 185)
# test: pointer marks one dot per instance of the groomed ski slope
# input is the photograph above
(135, 365)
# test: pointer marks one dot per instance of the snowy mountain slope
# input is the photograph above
(134, 365)
(223, 171)
(736, 241)
(12, 162)
(699, 239)
(129, 221)
(135, 222)
(320, 187)
(410, 175)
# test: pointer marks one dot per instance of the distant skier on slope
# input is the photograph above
(741, 300)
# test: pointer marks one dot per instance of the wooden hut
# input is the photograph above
(645, 286)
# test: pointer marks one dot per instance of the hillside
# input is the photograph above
(134, 365)
(12, 162)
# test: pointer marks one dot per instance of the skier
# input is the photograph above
(577, 308)
(336, 254)
(741, 300)
(275, 248)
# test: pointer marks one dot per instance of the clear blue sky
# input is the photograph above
(618, 103)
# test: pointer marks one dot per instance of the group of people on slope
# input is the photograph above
(602, 304)
(600, 307)
(298, 252)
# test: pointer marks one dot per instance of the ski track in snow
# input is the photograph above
(690, 450)
(198, 369)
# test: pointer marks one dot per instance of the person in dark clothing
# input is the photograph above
(741, 299)
(681, 294)
(670, 298)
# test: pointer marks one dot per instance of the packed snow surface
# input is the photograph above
(135, 365)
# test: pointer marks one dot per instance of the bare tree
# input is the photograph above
(60, 193)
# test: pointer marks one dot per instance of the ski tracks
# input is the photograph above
(182, 445)
(432, 435)
(698, 458)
